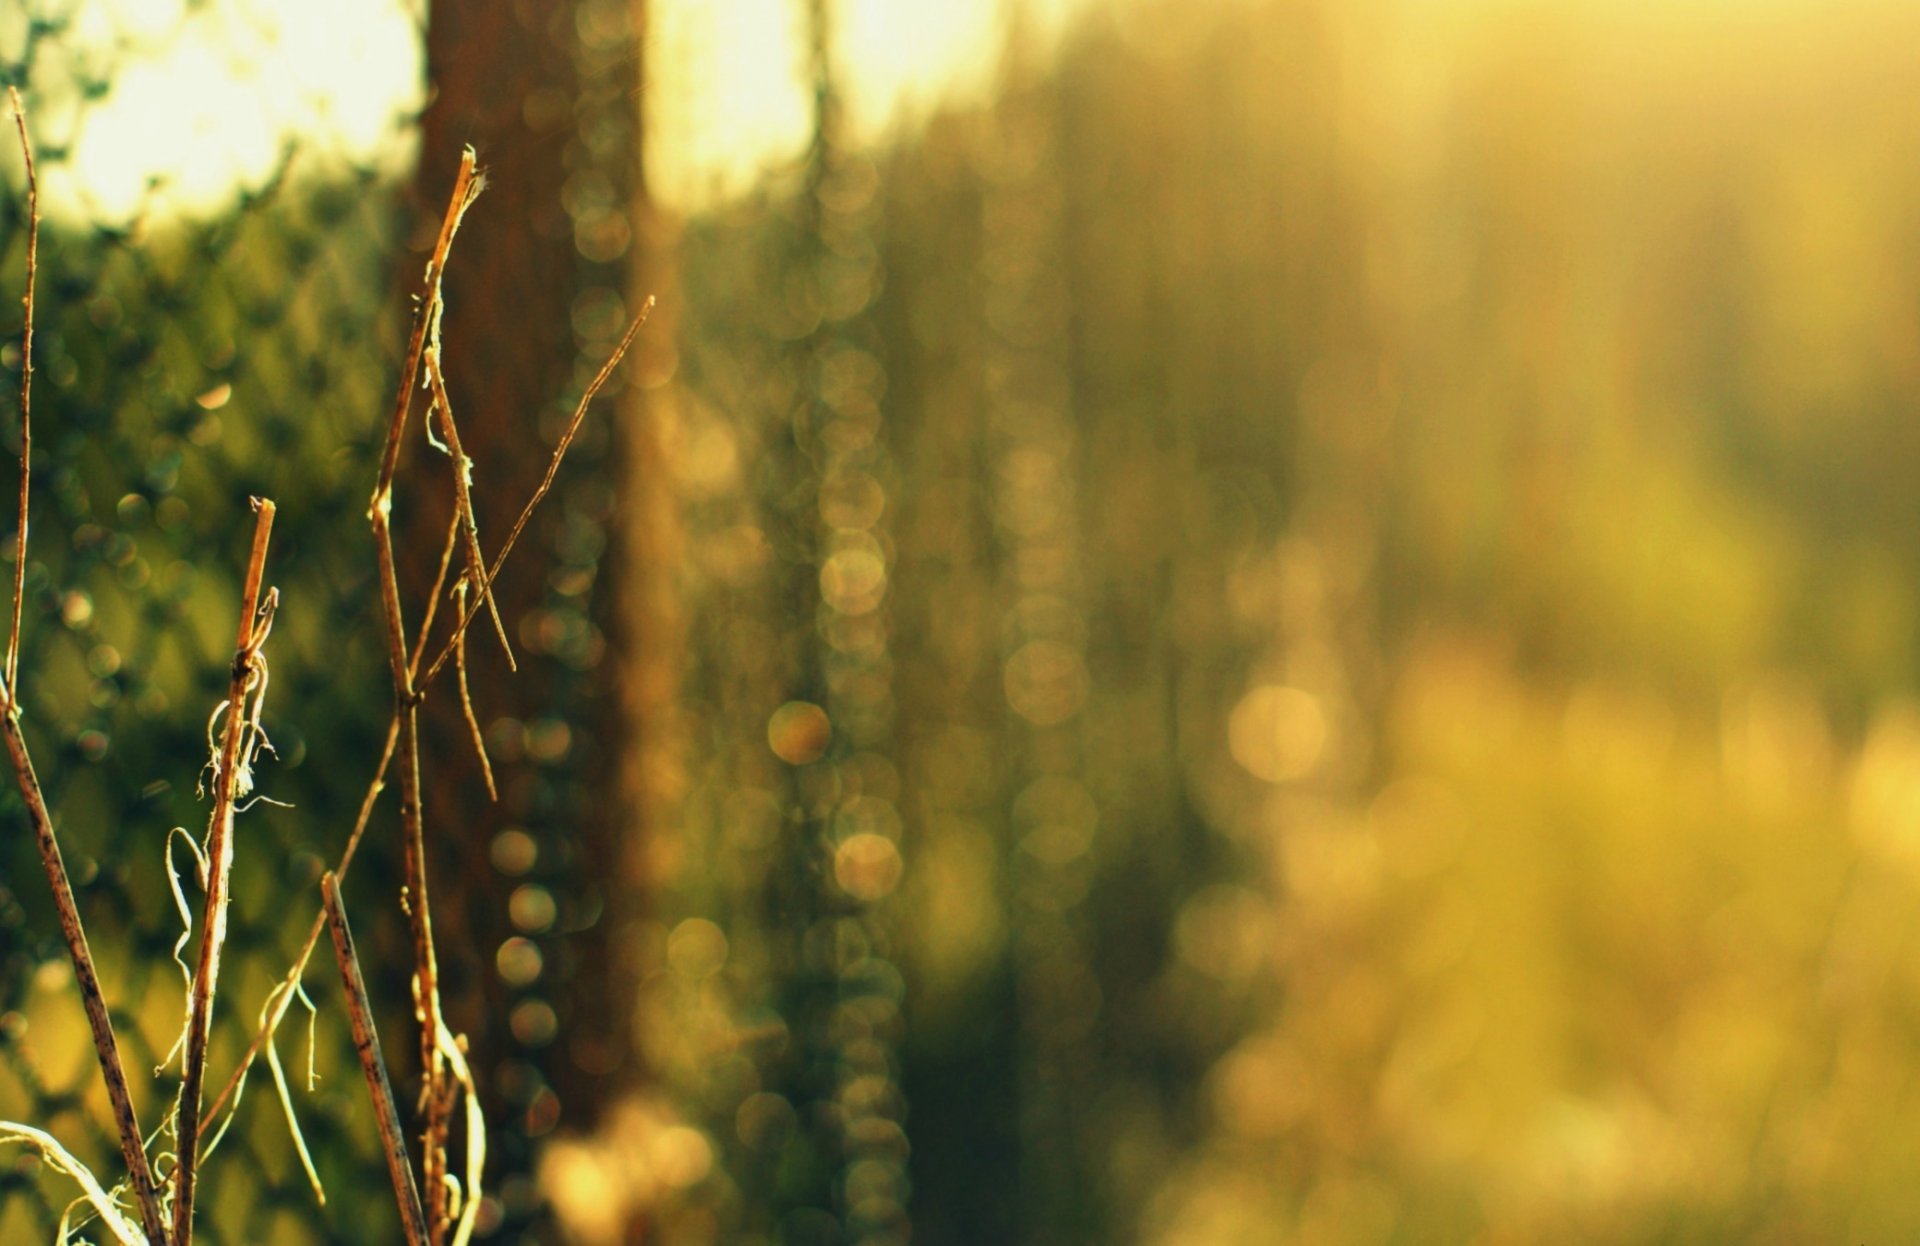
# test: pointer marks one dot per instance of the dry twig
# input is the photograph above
(238, 737)
(436, 1090)
(546, 481)
(283, 994)
(113, 1071)
(463, 490)
(264, 1033)
(26, 392)
(466, 697)
(366, 1042)
(446, 1077)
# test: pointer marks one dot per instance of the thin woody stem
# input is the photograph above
(284, 999)
(26, 396)
(433, 595)
(113, 1071)
(436, 1092)
(139, 1170)
(366, 1043)
(440, 1090)
(546, 483)
(463, 493)
(378, 783)
(467, 184)
(250, 635)
(264, 1033)
(466, 701)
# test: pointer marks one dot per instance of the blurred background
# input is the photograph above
(1195, 624)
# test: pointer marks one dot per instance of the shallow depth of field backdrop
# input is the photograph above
(1197, 624)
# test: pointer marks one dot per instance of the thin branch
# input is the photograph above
(463, 493)
(433, 594)
(467, 185)
(378, 784)
(283, 996)
(264, 1034)
(139, 1171)
(443, 1076)
(366, 1042)
(546, 482)
(466, 698)
(26, 395)
(246, 680)
(99, 1022)
(436, 1092)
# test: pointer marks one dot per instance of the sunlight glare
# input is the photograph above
(203, 101)
(727, 79)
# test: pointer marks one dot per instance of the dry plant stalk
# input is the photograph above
(438, 1089)
(447, 1078)
(546, 482)
(443, 1068)
(366, 1043)
(442, 1058)
(112, 1070)
(283, 993)
(26, 388)
(466, 698)
(463, 488)
(246, 686)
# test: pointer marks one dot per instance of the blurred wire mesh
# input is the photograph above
(220, 313)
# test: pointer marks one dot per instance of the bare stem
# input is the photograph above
(244, 680)
(366, 1042)
(443, 1079)
(264, 1034)
(463, 494)
(26, 395)
(112, 1070)
(466, 699)
(467, 184)
(433, 595)
(546, 483)
(437, 1091)
(139, 1171)
(284, 998)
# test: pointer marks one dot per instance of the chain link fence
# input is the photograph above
(225, 325)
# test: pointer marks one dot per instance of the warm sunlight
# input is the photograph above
(727, 80)
(207, 99)
(203, 100)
